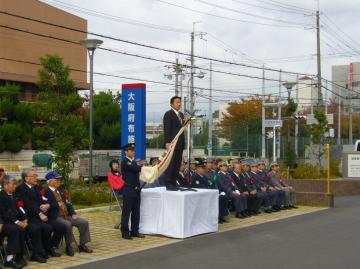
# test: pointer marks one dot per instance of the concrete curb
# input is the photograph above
(99, 208)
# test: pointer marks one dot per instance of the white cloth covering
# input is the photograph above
(179, 214)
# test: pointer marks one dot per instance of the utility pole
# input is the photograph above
(297, 121)
(350, 119)
(326, 93)
(339, 119)
(191, 100)
(318, 58)
(279, 117)
(177, 72)
(210, 145)
(263, 116)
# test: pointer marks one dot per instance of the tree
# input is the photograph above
(318, 132)
(15, 119)
(106, 121)
(241, 125)
(58, 113)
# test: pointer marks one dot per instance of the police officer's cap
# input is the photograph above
(261, 162)
(130, 146)
(193, 161)
(274, 164)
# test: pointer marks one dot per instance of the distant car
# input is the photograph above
(357, 145)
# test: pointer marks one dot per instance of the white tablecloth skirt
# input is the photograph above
(179, 214)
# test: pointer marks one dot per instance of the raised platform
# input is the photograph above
(179, 214)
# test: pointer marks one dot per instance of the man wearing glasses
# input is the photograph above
(36, 206)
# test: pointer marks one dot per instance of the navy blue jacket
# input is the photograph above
(225, 184)
(9, 210)
(200, 182)
(255, 181)
(53, 211)
(131, 172)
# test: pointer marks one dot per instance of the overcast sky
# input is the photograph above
(279, 34)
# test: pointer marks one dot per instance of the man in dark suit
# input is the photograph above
(14, 224)
(131, 194)
(173, 122)
(227, 186)
(62, 210)
(36, 207)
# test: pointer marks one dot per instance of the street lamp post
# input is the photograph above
(289, 86)
(91, 45)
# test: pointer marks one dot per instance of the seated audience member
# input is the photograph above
(14, 223)
(62, 211)
(255, 182)
(279, 200)
(210, 171)
(199, 179)
(115, 178)
(181, 181)
(227, 186)
(2, 175)
(254, 199)
(190, 169)
(280, 184)
(36, 207)
(241, 184)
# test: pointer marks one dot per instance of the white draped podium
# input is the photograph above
(179, 214)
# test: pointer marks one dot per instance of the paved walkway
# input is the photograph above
(107, 242)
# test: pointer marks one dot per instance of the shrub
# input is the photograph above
(307, 171)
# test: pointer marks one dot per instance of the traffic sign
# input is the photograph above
(273, 123)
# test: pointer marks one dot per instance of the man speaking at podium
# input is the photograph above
(172, 122)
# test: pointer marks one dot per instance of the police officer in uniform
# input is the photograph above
(131, 194)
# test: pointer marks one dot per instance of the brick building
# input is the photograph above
(17, 47)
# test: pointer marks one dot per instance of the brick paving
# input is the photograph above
(107, 242)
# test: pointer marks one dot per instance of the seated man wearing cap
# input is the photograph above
(210, 170)
(131, 194)
(280, 184)
(254, 200)
(199, 179)
(190, 169)
(278, 199)
(61, 210)
(226, 185)
(261, 190)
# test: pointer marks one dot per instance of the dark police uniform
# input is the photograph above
(131, 198)
(254, 200)
(255, 182)
(199, 181)
(277, 196)
(226, 185)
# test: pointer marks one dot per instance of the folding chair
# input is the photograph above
(114, 195)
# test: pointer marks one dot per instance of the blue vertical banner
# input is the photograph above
(133, 117)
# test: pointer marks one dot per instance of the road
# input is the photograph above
(322, 240)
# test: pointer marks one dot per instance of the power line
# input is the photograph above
(142, 44)
(125, 77)
(283, 5)
(107, 16)
(227, 18)
(269, 8)
(140, 56)
(250, 14)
